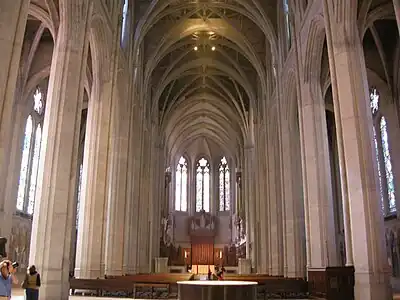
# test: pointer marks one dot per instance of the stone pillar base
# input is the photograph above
(244, 266)
(372, 286)
(161, 265)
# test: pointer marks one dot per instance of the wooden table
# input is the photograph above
(217, 290)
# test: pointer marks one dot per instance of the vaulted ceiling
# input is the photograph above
(206, 67)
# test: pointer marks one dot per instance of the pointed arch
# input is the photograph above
(181, 184)
(383, 156)
(224, 177)
(203, 179)
(32, 141)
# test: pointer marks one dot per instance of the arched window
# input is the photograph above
(78, 196)
(288, 29)
(181, 183)
(203, 185)
(124, 18)
(383, 158)
(224, 185)
(30, 156)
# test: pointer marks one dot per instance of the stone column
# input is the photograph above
(158, 192)
(53, 219)
(92, 232)
(262, 213)
(351, 87)
(250, 205)
(154, 203)
(116, 201)
(144, 204)
(318, 201)
(292, 214)
(118, 161)
(92, 214)
(274, 202)
(13, 16)
(133, 186)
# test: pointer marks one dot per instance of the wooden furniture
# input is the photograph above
(275, 287)
(332, 283)
(217, 290)
(146, 285)
(165, 286)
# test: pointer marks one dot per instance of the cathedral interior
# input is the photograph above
(172, 137)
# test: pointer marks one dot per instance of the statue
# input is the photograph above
(3, 242)
(167, 230)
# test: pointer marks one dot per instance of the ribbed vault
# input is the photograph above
(205, 69)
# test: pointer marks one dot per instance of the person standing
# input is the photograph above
(31, 284)
(7, 278)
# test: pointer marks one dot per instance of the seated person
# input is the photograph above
(220, 274)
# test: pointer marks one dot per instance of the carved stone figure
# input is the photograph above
(167, 230)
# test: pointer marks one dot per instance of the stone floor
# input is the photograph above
(19, 295)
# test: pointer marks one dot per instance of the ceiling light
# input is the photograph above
(213, 48)
(195, 48)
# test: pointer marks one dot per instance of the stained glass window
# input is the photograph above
(34, 171)
(30, 156)
(224, 185)
(381, 141)
(287, 22)
(38, 102)
(379, 171)
(203, 185)
(23, 174)
(124, 16)
(181, 185)
(388, 166)
(374, 101)
(78, 201)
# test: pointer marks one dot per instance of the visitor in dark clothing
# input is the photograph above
(32, 283)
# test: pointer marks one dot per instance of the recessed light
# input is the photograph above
(213, 48)
(195, 48)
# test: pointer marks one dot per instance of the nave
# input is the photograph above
(168, 136)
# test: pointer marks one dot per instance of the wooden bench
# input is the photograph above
(163, 281)
(98, 287)
(275, 286)
(156, 285)
(149, 285)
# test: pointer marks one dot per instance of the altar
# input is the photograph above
(217, 290)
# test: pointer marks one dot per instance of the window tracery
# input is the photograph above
(181, 183)
(30, 156)
(224, 185)
(383, 157)
(203, 185)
